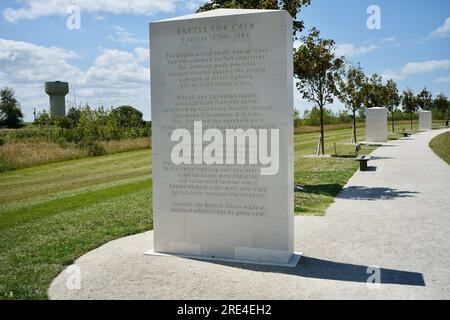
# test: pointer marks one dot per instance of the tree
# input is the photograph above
(292, 6)
(351, 92)
(10, 113)
(441, 103)
(392, 99)
(317, 69)
(425, 99)
(74, 115)
(127, 117)
(409, 103)
(374, 92)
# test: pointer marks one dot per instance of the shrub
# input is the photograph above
(127, 117)
(93, 148)
(43, 118)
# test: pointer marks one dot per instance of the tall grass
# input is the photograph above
(115, 146)
(30, 152)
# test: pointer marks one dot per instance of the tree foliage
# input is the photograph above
(442, 104)
(425, 99)
(292, 6)
(127, 117)
(10, 113)
(375, 92)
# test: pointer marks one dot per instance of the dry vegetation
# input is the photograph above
(28, 152)
(115, 146)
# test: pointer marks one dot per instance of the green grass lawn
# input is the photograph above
(441, 146)
(52, 214)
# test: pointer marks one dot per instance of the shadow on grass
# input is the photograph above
(329, 270)
(376, 193)
(331, 189)
(344, 156)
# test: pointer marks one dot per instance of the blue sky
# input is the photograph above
(106, 61)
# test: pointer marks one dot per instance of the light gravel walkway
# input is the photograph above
(396, 217)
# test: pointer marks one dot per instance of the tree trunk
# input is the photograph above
(322, 140)
(354, 126)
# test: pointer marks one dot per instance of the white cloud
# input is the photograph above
(442, 79)
(23, 62)
(412, 68)
(125, 37)
(32, 9)
(389, 74)
(116, 77)
(425, 66)
(443, 31)
(194, 4)
(349, 50)
(388, 40)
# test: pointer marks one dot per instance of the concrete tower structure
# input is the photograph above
(57, 91)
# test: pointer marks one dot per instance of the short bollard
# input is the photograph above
(363, 162)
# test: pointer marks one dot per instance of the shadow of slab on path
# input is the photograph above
(374, 193)
(329, 270)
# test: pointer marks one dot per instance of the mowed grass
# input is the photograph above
(441, 146)
(52, 214)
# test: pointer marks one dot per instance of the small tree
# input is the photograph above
(10, 113)
(351, 92)
(392, 99)
(441, 103)
(127, 117)
(425, 99)
(43, 118)
(317, 69)
(409, 103)
(74, 115)
(292, 6)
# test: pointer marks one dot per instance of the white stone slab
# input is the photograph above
(230, 69)
(292, 263)
(376, 125)
(425, 120)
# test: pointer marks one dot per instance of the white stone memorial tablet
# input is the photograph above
(376, 125)
(425, 120)
(223, 70)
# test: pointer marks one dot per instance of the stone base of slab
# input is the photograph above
(291, 264)
(373, 143)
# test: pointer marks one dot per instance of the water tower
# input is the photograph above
(57, 91)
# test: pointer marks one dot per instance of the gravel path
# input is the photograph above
(394, 217)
